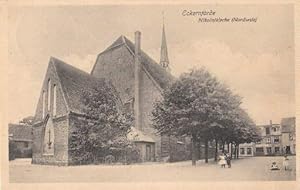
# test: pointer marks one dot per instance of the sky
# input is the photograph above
(256, 60)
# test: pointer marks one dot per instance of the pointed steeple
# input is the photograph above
(164, 59)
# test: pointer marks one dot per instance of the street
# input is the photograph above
(243, 169)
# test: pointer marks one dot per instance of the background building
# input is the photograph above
(288, 130)
(271, 140)
(277, 139)
(21, 136)
(247, 149)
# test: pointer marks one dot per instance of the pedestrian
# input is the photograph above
(285, 162)
(228, 160)
(222, 160)
(274, 166)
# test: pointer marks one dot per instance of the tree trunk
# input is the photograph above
(234, 151)
(198, 151)
(228, 147)
(216, 150)
(238, 151)
(170, 150)
(194, 151)
(223, 147)
(206, 151)
(231, 150)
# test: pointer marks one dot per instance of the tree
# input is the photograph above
(196, 105)
(103, 129)
(27, 120)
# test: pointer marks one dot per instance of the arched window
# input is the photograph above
(49, 94)
(54, 100)
(44, 103)
(48, 145)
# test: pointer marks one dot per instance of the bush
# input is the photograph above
(109, 159)
(130, 155)
(12, 150)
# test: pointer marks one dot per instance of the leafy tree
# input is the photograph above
(27, 120)
(199, 106)
(103, 129)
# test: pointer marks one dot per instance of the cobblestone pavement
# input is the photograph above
(254, 168)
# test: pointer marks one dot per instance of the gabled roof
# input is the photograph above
(159, 74)
(138, 136)
(288, 124)
(18, 132)
(74, 83)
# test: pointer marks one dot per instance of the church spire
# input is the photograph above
(164, 59)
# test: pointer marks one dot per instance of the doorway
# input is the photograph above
(288, 150)
(148, 152)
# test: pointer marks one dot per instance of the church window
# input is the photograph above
(49, 94)
(54, 100)
(44, 103)
(48, 145)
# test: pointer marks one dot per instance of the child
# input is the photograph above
(222, 161)
(274, 166)
(285, 162)
(228, 160)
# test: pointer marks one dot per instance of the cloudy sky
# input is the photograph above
(255, 59)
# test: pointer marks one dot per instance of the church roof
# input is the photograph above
(160, 75)
(74, 83)
(164, 59)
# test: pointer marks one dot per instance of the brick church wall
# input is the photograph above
(60, 124)
(117, 66)
(60, 156)
(149, 94)
(61, 108)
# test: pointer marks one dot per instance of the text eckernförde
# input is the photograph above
(226, 19)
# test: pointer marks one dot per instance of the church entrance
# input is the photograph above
(148, 152)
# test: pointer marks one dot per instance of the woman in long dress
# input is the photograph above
(222, 160)
(285, 162)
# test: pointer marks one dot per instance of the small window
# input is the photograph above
(276, 139)
(268, 140)
(274, 129)
(26, 144)
(269, 150)
(54, 100)
(44, 103)
(260, 149)
(267, 130)
(49, 94)
(242, 151)
(277, 149)
(249, 151)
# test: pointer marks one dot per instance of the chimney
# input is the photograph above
(137, 50)
(137, 36)
(271, 123)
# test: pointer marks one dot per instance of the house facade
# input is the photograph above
(288, 135)
(21, 136)
(277, 139)
(271, 140)
(247, 149)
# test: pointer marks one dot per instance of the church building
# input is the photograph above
(139, 82)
